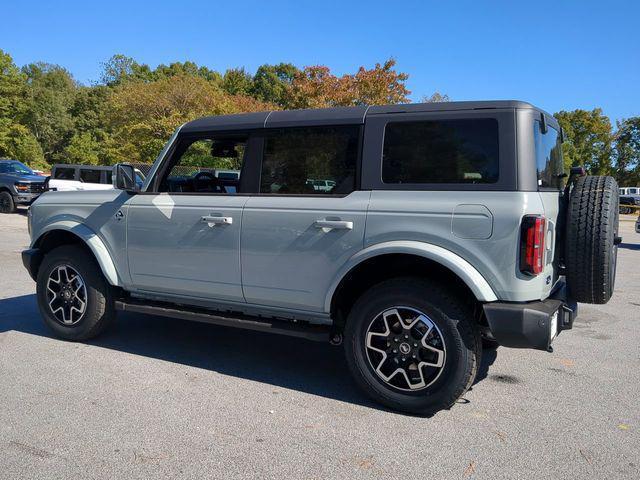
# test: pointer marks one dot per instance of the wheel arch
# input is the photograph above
(68, 233)
(402, 259)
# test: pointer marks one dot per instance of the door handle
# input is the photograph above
(334, 225)
(213, 221)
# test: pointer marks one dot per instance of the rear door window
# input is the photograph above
(90, 175)
(313, 161)
(463, 151)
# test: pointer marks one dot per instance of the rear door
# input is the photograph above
(296, 237)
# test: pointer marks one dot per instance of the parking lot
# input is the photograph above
(157, 397)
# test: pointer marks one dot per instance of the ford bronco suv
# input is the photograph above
(437, 227)
(19, 185)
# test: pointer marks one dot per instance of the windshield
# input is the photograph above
(549, 163)
(15, 167)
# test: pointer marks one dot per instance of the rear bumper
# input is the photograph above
(31, 260)
(531, 324)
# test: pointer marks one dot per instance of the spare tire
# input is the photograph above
(591, 247)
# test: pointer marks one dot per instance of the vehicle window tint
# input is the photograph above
(441, 151)
(65, 173)
(549, 163)
(109, 177)
(90, 175)
(315, 160)
(207, 165)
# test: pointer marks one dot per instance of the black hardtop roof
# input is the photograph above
(337, 115)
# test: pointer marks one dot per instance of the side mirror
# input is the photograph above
(125, 178)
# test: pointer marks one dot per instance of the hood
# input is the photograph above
(23, 178)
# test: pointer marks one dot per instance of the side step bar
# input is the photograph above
(319, 333)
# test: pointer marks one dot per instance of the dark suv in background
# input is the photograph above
(19, 185)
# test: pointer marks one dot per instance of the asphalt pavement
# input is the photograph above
(162, 398)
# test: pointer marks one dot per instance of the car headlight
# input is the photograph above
(22, 187)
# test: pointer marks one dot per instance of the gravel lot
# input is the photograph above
(157, 397)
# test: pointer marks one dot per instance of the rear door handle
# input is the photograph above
(334, 224)
(213, 221)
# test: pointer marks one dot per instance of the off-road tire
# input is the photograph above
(591, 247)
(99, 312)
(7, 205)
(460, 334)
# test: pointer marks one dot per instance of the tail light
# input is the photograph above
(532, 244)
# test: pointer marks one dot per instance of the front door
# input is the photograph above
(307, 221)
(183, 236)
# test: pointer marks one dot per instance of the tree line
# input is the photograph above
(47, 117)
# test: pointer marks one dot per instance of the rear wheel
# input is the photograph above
(7, 205)
(73, 296)
(411, 346)
(592, 239)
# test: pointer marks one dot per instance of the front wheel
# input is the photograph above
(412, 346)
(7, 205)
(74, 298)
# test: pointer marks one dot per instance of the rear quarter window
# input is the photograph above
(549, 162)
(463, 151)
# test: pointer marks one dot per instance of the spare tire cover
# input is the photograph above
(591, 239)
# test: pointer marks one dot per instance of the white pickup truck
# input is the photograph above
(65, 177)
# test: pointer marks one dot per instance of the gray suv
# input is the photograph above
(439, 228)
(19, 185)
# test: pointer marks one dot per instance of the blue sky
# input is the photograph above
(558, 54)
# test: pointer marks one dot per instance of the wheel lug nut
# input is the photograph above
(395, 339)
(403, 359)
(395, 351)
(406, 336)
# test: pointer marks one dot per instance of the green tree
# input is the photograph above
(187, 68)
(120, 68)
(13, 85)
(51, 92)
(17, 142)
(272, 83)
(627, 152)
(588, 140)
(83, 148)
(237, 81)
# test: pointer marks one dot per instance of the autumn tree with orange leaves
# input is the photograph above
(317, 87)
